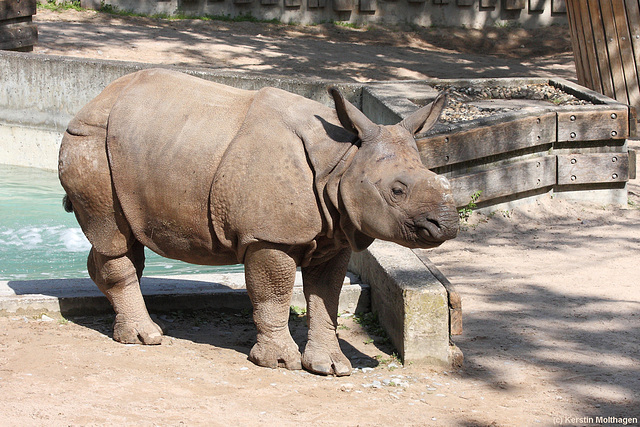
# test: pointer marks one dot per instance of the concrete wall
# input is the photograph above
(448, 13)
(39, 94)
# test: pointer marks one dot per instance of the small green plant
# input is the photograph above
(465, 212)
(393, 360)
(297, 311)
(369, 321)
(58, 6)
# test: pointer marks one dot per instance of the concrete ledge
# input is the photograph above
(197, 291)
(411, 303)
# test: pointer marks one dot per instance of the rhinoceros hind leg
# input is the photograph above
(270, 275)
(322, 285)
(118, 278)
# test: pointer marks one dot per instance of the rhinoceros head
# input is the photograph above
(386, 192)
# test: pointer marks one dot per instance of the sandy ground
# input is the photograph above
(551, 303)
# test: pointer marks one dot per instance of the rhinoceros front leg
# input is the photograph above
(270, 275)
(322, 285)
(118, 278)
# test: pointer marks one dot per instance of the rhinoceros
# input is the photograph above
(214, 175)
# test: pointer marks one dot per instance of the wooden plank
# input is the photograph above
(537, 5)
(17, 8)
(470, 142)
(626, 52)
(455, 301)
(592, 168)
(558, 6)
(20, 36)
(464, 3)
(488, 4)
(593, 124)
(269, 2)
(613, 48)
(599, 39)
(632, 164)
(292, 3)
(315, 4)
(514, 4)
(589, 48)
(582, 40)
(577, 40)
(633, 16)
(527, 175)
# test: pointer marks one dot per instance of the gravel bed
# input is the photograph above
(460, 103)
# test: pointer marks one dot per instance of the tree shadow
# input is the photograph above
(279, 51)
(583, 342)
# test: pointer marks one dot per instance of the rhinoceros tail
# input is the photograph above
(66, 204)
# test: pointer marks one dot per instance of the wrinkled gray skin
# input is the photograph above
(214, 175)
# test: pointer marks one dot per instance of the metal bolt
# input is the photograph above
(614, 115)
(538, 120)
(614, 176)
(573, 161)
(614, 159)
(572, 118)
(572, 134)
(614, 133)
(446, 158)
(573, 178)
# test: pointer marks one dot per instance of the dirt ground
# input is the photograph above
(550, 291)
(324, 51)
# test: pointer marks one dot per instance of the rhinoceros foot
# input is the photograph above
(321, 360)
(273, 353)
(136, 332)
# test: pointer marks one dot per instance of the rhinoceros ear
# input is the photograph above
(351, 118)
(425, 117)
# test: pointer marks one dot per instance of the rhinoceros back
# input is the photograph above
(166, 135)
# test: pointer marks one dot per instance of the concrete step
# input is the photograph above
(162, 294)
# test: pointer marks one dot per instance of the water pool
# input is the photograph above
(39, 240)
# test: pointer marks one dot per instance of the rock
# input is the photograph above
(45, 318)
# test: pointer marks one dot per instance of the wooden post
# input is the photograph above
(606, 45)
(17, 31)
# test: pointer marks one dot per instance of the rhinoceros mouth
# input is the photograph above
(432, 233)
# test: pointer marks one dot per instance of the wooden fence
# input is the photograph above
(17, 30)
(606, 45)
(577, 150)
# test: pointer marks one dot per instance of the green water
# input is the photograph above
(39, 240)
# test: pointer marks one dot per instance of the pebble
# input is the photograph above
(347, 387)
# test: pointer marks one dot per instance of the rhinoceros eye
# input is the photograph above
(398, 191)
